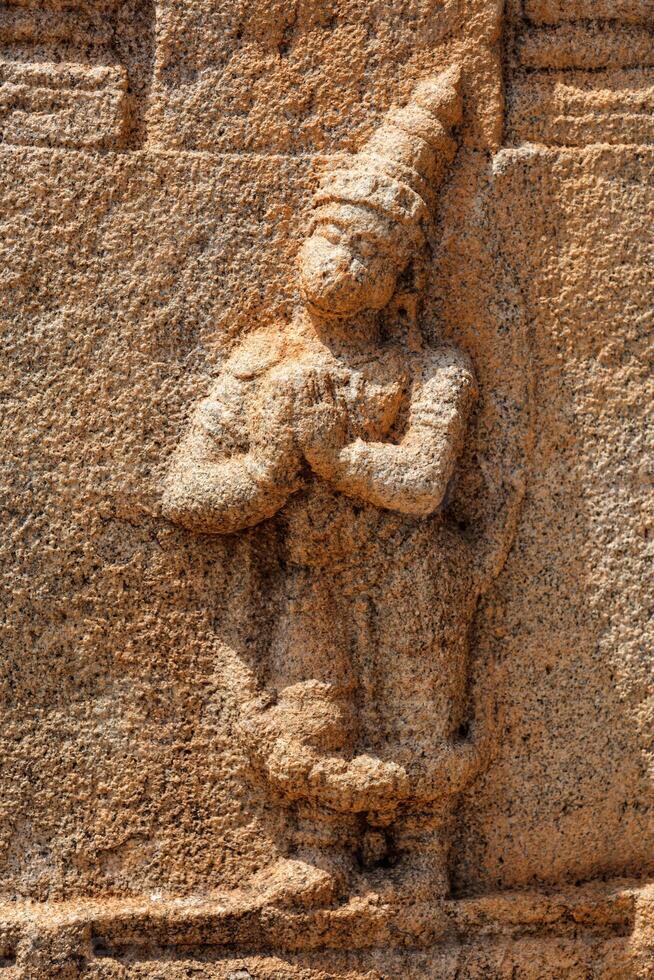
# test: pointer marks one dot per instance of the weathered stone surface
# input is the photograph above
(398, 721)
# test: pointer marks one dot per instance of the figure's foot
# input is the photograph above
(293, 882)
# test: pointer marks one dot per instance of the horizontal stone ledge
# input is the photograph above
(582, 108)
(114, 927)
(558, 11)
(586, 46)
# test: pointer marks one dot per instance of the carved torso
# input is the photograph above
(323, 526)
(372, 385)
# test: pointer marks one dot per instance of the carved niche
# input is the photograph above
(345, 429)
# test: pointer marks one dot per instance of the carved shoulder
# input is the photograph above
(236, 399)
(237, 464)
(256, 354)
(220, 419)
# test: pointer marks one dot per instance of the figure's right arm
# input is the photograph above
(217, 484)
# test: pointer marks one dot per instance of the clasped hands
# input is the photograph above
(320, 423)
(308, 418)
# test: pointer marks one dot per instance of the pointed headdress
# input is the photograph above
(397, 172)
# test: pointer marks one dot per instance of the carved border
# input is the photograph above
(115, 928)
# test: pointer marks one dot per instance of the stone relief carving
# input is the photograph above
(348, 426)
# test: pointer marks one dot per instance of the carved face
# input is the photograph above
(347, 266)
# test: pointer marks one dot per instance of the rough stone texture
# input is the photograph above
(145, 231)
(577, 771)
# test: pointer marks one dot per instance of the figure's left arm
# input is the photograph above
(412, 476)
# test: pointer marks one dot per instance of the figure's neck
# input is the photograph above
(355, 334)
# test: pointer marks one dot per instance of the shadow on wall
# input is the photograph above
(570, 794)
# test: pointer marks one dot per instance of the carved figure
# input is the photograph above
(347, 426)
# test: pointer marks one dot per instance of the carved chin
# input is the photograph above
(349, 306)
(325, 306)
(317, 310)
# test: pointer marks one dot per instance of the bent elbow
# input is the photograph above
(180, 505)
(420, 492)
(421, 504)
(190, 500)
(223, 501)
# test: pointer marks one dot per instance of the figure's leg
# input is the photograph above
(425, 608)
(425, 605)
(310, 672)
(421, 845)
(304, 724)
(317, 868)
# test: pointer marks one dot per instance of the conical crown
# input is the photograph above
(398, 170)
